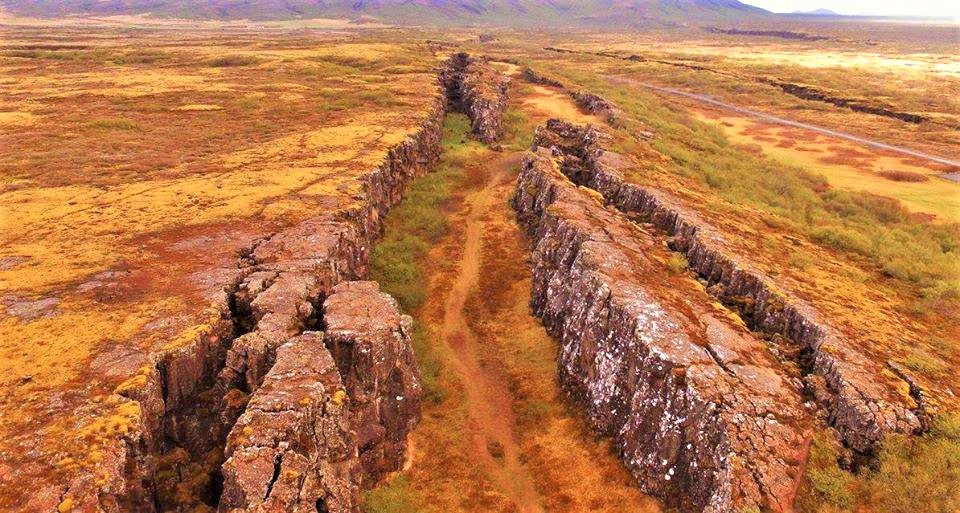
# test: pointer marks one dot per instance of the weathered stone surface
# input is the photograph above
(293, 448)
(533, 77)
(703, 415)
(478, 90)
(862, 401)
(192, 393)
(595, 104)
(370, 341)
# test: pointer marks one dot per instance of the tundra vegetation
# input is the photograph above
(138, 154)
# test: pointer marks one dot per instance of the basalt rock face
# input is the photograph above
(294, 449)
(597, 105)
(476, 89)
(854, 104)
(702, 414)
(533, 77)
(370, 341)
(861, 401)
(189, 397)
(332, 414)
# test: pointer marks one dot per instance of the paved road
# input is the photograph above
(787, 122)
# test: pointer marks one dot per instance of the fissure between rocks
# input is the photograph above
(800, 91)
(861, 403)
(199, 394)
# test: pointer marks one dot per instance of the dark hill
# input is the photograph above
(465, 12)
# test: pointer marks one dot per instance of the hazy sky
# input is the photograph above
(949, 8)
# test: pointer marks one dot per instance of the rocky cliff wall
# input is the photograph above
(861, 400)
(332, 414)
(702, 414)
(477, 90)
(294, 447)
(185, 402)
(370, 341)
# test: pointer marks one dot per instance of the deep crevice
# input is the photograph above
(831, 369)
(181, 468)
(800, 91)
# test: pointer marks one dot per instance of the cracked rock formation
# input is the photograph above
(293, 448)
(702, 414)
(861, 400)
(370, 341)
(530, 75)
(476, 89)
(183, 404)
(332, 414)
(180, 410)
(597, 105)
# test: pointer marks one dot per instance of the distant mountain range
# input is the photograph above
(818, 12)
(467, 12)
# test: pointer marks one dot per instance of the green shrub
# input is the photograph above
(418, 221)
(677, 263)
(381, 96)
(533, 411)
(430, 365)
(920, 473)
(910, 474)
(925, 363)
(825, 483)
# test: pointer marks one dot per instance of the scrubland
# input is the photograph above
(131, 165)
(136, 162)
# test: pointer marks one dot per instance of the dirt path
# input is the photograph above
(787, 122)
(488, 399)
(497, 434)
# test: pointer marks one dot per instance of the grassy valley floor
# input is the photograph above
(497, 434)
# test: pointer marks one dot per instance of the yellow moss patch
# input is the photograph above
(199, 107)
(17, 118)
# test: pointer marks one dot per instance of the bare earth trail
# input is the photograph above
(502, 437)
(488, 399)
(783, 121)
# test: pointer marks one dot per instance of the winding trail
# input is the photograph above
(783, 121)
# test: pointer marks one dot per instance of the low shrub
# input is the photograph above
(114, 124)
(235, 60)
(677, 263)
(925, 363)
(909, 474)
(902, 176)
(392, 497)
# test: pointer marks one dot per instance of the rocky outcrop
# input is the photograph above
(370, 341)
(530, 75)
(854, 104)
(702, 414)
(476, 89)
(862, 401)
(184, 404)
(332, 414)
(294, 447)
(595, 104)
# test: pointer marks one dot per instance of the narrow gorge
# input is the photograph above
(302, 388)
(550, 310)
